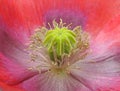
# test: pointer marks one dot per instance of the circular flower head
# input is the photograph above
(59, 41)
(59, 45)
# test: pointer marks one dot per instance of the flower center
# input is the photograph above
(59, 71)
(58, 45)
(59, 41)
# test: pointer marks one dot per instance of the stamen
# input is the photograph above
(59, 41)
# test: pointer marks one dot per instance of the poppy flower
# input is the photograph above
(60, 45)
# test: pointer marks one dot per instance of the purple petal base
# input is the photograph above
(68, 16)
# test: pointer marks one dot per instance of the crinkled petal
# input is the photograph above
(105, 84)
(100, 70)
(107, 41)
(26, 16)
(100, 75)
(109, 66)
(100, 12)
(14, 58)
(15, 50)
(50, 82)
(11, 47)
(11, 71)
(19, 17)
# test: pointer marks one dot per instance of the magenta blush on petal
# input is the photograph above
(12, 72)
(108, 40)
(8, 33)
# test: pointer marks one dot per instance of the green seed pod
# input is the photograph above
(59, 41)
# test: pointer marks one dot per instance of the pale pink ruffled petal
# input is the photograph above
(15, 60)
(15, 50)
(50, 82)
(11, 71)
(106, 84)
(97, 76)
(100, 71)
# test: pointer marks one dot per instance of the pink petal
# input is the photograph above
(107, 41)
(15, 50)
(4, 87)
(12, 47)
(11, 64)
(100, 71)
(11, 72)
(100, 12)
(50, 82)
(97, 76)
(107, 84)
(26, 16)
(14, 58)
